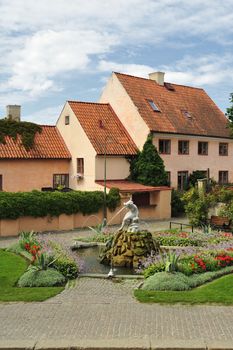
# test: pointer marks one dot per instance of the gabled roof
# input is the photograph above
(182, 109)
(131, 187)
(47, 145)
(103, 127)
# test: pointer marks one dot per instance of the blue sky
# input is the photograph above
(57, 50)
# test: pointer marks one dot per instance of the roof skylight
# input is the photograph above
(187, 114)
(153, 106)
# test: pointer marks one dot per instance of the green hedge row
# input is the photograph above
(40, 204)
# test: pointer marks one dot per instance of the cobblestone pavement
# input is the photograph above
(97, 309)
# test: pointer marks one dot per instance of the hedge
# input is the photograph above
(39, 204)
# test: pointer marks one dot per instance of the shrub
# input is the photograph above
(66, 266)
(178, 281)
(63, 263)
(42, 278)
(166, 281)
(40, 204)
(174, 240)
(177, 205)
(154, 268)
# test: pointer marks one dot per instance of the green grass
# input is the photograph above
(11, 268)
(219, 291)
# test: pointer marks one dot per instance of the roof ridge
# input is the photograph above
(86, 102)
(168, 82)
(46, 125)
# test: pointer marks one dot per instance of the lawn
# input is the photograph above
(11, 268)
(219, 291)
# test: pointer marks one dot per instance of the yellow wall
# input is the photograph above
(27, 175)
(117, 168)
(115, 94)
(80, 147)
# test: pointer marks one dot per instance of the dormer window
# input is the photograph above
(187, 114)
(153, 106)
(67, 120)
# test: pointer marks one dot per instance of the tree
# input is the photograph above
(147, 167)
(196, 175)
(229, 113)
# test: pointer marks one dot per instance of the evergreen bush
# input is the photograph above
(177, 205)
(147, 167)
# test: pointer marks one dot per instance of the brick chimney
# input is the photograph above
(158, 77)
(13, 112)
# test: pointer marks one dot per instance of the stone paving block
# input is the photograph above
(17, 344)
(177, 344)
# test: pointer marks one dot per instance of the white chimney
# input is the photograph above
(13, 112)
(158, 77)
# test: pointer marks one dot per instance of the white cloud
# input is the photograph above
(132, 69)
(43, 40)
(196, 71)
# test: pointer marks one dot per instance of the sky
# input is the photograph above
(52, 51)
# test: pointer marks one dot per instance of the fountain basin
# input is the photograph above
(91, 261)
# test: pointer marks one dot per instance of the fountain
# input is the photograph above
(123, 251)
(129, 245)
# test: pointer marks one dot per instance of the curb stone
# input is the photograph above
(17, 344)
(115, 344)
(99, 344)
(178, 344)
(221, 345)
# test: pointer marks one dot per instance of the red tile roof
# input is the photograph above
(129, 186)
(102, 126)
(184, 110)
(47, 145)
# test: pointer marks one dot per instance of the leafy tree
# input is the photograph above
(147, 167)
(229, 113)
(196, 175)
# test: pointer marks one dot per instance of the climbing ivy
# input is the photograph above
(13, 128)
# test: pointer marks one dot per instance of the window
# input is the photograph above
(223, 177)
(0, 182)
(67, 120)
(183, 147)
(165, 146)
(60, 180)
(223, 149)
(168, 178)
(153, 106)
(203, 148)
(187, 115)
(141, 198)
(80, 166)
(182, 180)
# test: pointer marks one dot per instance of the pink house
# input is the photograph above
(45, 165)
(189, 130)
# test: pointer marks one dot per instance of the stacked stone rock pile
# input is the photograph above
(128, 248)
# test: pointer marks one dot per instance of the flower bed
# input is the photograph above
(195, 253)
(49, 264)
